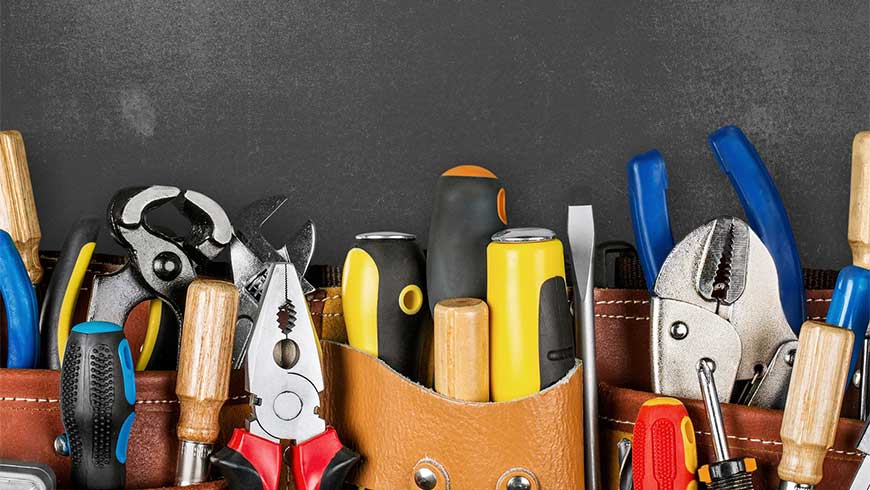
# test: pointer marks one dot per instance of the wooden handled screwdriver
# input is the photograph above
(815, 397)
(859, 242)
(462, 349)
(17, 206)
(203, 373)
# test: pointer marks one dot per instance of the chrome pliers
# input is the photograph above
(716, 297)
(757, 193)
(284, 379)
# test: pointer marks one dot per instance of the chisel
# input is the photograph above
(17, 206)
(531, 335)
(469, 207)
(382, 297)
(204, 366)
(664, 454)
(97, 396)
(581, 238)
(815, 397)
(462, 349)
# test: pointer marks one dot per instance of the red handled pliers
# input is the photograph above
(284, 378)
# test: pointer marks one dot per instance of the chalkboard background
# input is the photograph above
(354, 108)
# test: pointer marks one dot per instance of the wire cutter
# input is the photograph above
(19, 300)
(160, 266)
(284, 379)
(716, 298)
(647, 190)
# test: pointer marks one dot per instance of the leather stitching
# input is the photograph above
(324, 300)
(622, 317)
(138, 402)
(740, 438)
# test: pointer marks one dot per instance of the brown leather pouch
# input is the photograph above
(400, 426)
(623, 343)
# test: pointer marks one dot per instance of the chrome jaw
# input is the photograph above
(716, 297)
(284, 375)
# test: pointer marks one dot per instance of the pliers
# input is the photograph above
(284, 379)
(160, 266)
(19, 300)
(714, 299)
(647, 186)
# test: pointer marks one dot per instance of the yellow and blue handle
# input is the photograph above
(19, 299)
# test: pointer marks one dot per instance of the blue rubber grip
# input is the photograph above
(22, 315)
(850, 307)
(766, 213)
(648, 202)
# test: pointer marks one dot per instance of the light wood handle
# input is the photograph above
(462, 349)
(205, 359)
(815, 397)
(17, 206)
(859, 202)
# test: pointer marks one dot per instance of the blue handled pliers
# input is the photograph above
(19, 299)
(647, 190)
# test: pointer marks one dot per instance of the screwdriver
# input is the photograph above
(462, 349)
(531, 333)
(815, 396)
(17, 205)
(204, 366)
(725, 473)
(663, 451)
(382, 297)
(469, 207)
(97, 396)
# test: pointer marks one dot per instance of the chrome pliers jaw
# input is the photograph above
(283, 371)
(716, 297)
(284, 378)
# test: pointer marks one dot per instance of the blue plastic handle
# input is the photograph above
(648, 202)
(19, 298)
(850, 307)
(766, 213)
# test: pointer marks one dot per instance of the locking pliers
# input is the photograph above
(716, 297)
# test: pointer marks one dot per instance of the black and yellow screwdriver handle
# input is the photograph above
(382, 297)
(469, 207)
(531, 332)
(55, 319)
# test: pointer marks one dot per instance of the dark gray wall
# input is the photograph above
(353, 108)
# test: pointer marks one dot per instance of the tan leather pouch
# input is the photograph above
(399, 426)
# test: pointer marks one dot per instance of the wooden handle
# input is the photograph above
(859, 202)
(815, 397)
(206, 357)
(17, 206)
(462, 349)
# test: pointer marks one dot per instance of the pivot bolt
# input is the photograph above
(679, 330)
(167, 266)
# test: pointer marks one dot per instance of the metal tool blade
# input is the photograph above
(723, 271)
(581, 238)
(300, 251)
(626, 476)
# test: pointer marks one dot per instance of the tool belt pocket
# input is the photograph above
(622, 326)
(30, 416)
(407, 431)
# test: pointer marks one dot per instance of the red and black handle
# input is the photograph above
(250, 462)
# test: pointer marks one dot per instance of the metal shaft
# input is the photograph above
(865, 382)
(714, 410)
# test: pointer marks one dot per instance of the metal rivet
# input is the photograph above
(61, 445)
(425, 479)
(679, 330)
(519, 483)
(789, 357)
(856, 379)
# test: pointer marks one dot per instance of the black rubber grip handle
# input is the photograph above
(467, 212)
(555, 332)
(98, 393)
(401, 302)
(64, 285)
